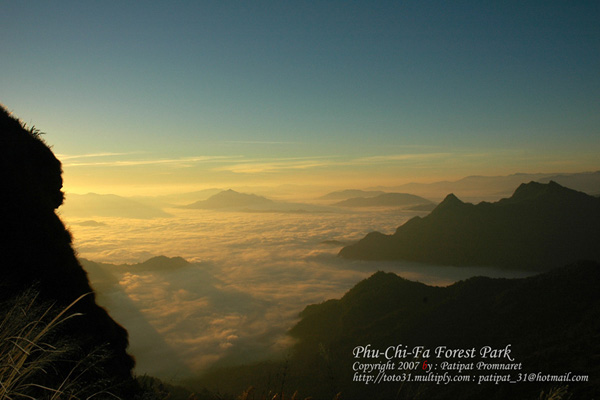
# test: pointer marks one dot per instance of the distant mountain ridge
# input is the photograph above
(385, 200)
(108, 205)
(478, 188)
(541, 226)
(229, 199)
(350, 193)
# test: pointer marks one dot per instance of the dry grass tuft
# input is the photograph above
(556, 393)
(33, 356)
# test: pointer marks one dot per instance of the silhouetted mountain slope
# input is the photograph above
(384, 200)
(551, 321)
(177, 199)
(541, 226)
(229, 199)
(36, 250)
(422, 207)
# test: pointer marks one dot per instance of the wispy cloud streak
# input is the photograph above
(400, 157)
(239, 164)
(184, 161)
(277, 164)
(258, 142)
(93, 155)
(302, 163)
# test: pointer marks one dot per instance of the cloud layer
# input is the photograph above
(250, 275)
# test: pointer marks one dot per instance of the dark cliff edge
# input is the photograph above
(38, 257)
(541, 226)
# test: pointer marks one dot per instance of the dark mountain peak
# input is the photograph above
(551, 191)
(534, 189)
(382, 285)
(379, 278)
(452, 199)
(451, 202)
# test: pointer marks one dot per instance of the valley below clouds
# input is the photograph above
(247, 278)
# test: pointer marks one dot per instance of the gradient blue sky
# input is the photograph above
(186, 94)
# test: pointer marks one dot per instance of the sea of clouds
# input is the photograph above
(249, 276)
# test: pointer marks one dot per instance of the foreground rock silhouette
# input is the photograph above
(36, 252)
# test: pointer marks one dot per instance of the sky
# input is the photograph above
(155, 96)
(161, 97)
